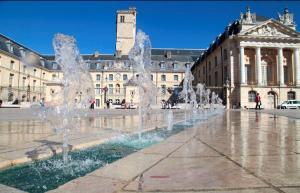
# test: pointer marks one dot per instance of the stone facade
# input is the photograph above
(253, 55)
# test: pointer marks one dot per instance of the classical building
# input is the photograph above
(111, 73)
(253, 55)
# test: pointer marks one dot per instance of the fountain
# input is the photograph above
(170, 119)
(188, 93)
(63, 111)
(140, 57)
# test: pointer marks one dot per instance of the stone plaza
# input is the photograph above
(239, 151)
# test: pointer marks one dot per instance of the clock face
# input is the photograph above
(118, 76)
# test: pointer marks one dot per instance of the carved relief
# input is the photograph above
(266, 30)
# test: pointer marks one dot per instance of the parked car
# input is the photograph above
(289, 104)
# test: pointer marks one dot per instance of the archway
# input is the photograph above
(272, 99)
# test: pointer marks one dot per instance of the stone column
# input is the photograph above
(242, 66)
(258, 66)
(231, 58)
(280, 66)
(297, 66)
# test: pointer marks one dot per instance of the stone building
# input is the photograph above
(111, 73)
(253, 55)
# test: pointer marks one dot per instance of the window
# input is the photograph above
(163, 77)
(34, 72)
(225, 54)
(98, 90)
(125, 77)
(33, 86)
(43, 75)
(98, 66)
(209, 66)
(169, 54)
(23, 82)
(216, 61)
(248, 73)
(216, 78)
(162, 65)
(12, 64)
(54, 65)
(203, 70)
(163, 89)
(122, 18)
(225, 73)
(209, 80)
(175, 77)
(110, 89)
(97, 102)
(118, 88)
(291, 95)
(251, 96)
(286, 74)
(53, 76)
(175, 66)
(98, 77)
(110, 77)
(24, 69)
(10, 80)
(152, 77)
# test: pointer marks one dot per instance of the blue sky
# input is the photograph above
(170, 24)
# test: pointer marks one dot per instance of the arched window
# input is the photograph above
(291, 95)
(251, 96)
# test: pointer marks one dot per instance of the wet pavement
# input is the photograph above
(24, 138)
(240, 152)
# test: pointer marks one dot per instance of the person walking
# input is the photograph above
(258, 101)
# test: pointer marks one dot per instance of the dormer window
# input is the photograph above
(168, 55)
(118, 54)
(9, 46)
(187, 65)
(122, 18)
(54, 65)
(162, 65)
(42, 62)
(175, 65)
(98, 66)
(22, 52)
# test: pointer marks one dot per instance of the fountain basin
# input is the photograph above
(44, 175)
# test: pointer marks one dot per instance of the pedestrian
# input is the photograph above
(107, 104)
(92, 104)
(258, 101)
(0, 103)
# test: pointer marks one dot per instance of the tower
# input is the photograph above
(126, 30)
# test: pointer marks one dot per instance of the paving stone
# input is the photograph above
(256, 190)
(91, 184)
(183, 174)
(280, 170)
(7, 189)
(194, 148)
(291, 190)
(129, 167)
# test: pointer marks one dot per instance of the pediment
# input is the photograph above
(271, 29)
